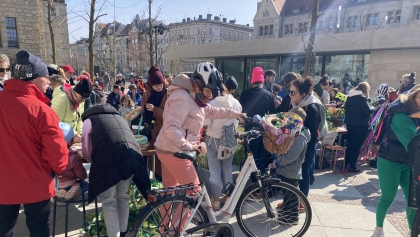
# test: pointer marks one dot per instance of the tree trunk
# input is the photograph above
(90, 40)
(50, 26)
(311, 43)
(151, 56)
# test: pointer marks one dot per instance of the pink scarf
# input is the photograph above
(73, 104)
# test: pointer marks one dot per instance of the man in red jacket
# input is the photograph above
(32, 147)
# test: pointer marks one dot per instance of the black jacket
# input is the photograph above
(116, 154)
(312, 121)
(286, 105)
(257, 101)
(357, 109)
(114, 100)
(391, 148)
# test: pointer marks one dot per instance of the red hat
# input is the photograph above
(155, 76)
(257, 75)
(68, 68)
(79, 78)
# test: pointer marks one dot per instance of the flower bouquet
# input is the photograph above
(335, 115)
(280, 131)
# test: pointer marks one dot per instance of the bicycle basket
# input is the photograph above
(271, 145)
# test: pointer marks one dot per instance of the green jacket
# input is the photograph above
(61, 106)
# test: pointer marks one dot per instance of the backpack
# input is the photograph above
(228, 143)
(323, 125)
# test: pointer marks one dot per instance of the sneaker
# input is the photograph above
(378, 232)
(287, 221)
(216, 205)
(73, 192)
(256, 197)
(302, 208)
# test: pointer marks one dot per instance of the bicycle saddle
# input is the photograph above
(187, 155)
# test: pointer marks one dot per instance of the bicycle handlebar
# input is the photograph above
(251, 133)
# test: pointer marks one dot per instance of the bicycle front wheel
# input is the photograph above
(167, 216)
(291, 209)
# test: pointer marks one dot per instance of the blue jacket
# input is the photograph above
(138, 97)
(114, 100)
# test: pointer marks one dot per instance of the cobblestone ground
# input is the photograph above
(371, 195)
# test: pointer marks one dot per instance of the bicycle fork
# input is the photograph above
(262, 183)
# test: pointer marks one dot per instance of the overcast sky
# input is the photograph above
(173, 11)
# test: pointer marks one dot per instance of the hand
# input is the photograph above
(276, 103)
(200, 149)
(240, 117)
(77, 139)
(150, 107)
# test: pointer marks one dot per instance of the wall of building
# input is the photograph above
(388, 66)
(28, 29)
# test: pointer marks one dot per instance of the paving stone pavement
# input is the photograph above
(342, 205)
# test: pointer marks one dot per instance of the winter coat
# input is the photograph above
(398, 130)
(90, 101)
(257, 100)
(312, 106)
(115, 153)
(215, 126)
(290, 164)
(61, 105)
(157, 112)
(285, 106)
(183, 120)
(74, 171)
(114, 100)
(136, 96)
(100, 97)
(358, 109)
(31, 143)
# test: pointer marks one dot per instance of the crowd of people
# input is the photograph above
(49, 109)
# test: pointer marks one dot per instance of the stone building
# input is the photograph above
(23, 26)
(266, 20)
(79, 55)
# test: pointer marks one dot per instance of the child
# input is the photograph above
(289, 167)
(134, 94)
(127, 105)
(71, 181)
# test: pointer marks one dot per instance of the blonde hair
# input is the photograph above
(4, 58)
(57, 80)
(364, 88)
(409, 100)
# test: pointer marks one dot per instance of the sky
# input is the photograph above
(173, 11)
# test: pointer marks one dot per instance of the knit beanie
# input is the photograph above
(155, 76)
(257, 75)
(29, 66)
(83, 88)
(231, 83)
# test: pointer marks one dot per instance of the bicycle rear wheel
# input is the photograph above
(158, 219)
(292, 211)
(415, 232)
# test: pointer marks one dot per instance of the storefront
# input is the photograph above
(356, 66)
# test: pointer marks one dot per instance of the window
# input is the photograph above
(220, 32)
(394, 17)
(266, 13)
(225, 33)
(417, 13)
(373, 19)
(356, 21)
(271, 30)
(261, 31)
(288, 29)
(265, 30)
(303, 27)
(234, 35)
(331, 23)
(242, 35)
(11, 32)
(230, 34)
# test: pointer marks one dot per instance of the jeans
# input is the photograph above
(260, 155)
(115, 207)
(356, 136)
(37, 218)
(218, 168)
(307, 168)
(290, 210)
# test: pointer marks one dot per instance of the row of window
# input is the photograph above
(266, 30)
(11, 33)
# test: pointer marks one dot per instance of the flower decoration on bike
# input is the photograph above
(283, 125)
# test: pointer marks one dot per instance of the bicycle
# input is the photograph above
(157, 218)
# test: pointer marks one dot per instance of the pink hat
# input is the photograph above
(257, 75)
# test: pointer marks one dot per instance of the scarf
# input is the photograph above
(309, 99)
(318, 90)
(200, 99)
(69, 92)
(155, 99)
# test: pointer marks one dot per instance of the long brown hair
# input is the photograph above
(409, 100)
(364, 88)
(130, 101)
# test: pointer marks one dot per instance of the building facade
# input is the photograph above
(79, 55)
(24, 26)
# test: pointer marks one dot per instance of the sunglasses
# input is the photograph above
(292, 93)
(5, 69)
